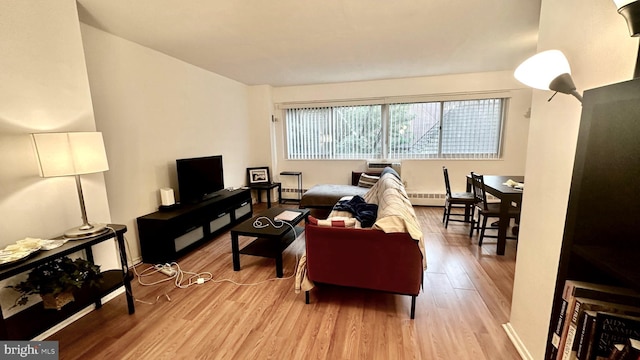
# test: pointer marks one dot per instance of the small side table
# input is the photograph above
(266, 187)
(298, 175)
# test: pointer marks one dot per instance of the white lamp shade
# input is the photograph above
(539, 70)
(74, 153)
(621, 3)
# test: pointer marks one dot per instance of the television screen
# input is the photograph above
(199, 178)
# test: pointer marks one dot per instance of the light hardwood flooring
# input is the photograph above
(459, 314)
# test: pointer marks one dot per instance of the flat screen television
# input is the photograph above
(199, 178)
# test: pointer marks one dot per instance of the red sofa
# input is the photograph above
(369, 258)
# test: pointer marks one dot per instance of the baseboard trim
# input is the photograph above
(515, 340)
(76, 316)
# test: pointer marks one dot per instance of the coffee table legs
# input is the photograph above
(279, 265)
(235, 251)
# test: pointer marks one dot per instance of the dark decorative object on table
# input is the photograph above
(56, 280)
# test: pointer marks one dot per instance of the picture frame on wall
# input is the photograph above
(258, 175)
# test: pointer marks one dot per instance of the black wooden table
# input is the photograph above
(267, 187)
(33, 320)
(270, 240)
(494, 185)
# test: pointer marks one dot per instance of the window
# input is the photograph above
(341, 132)
(465, 129)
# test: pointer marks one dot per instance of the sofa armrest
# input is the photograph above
(364, 258)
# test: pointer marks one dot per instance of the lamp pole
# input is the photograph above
(85, 221)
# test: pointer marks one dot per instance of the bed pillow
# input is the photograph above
(367, 181)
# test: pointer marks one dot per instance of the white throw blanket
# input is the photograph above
(395, 212)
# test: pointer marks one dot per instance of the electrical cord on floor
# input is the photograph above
(125, 269)
(259, 282)
(184, 279)
(135, 271)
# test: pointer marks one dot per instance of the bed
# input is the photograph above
(321, 198)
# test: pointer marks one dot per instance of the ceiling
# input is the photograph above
(297, 42)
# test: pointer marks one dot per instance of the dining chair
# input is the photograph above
(487, 210)
(463, 200)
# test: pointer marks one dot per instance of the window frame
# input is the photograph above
(385, 103)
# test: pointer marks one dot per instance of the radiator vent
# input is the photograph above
(437, 196)
(425, 196)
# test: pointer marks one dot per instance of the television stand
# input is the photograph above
(167, 235)
(210, 196)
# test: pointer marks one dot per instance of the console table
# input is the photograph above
(167, 235)
(298, 175)
(34, 320)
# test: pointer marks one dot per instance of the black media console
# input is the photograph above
(169, 234)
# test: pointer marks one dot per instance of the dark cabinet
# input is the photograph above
(600, 242)
(167, 235)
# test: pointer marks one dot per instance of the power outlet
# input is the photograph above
(168, 270)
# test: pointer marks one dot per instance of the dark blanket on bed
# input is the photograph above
(365, 213)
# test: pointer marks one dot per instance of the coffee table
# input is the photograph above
(270, 241)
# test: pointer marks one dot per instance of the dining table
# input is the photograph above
(508, 195)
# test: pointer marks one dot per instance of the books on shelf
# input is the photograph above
(587, 333)
(565, 345)
(630, 350)
(616, 352)
(578, 332)
(555, 345)
(611, 329)
(557, 331)
(622, 348)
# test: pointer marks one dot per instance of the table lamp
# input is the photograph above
(72, 153)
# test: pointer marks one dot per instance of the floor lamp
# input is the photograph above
(548, 70)
(630, 10)
(72, 154)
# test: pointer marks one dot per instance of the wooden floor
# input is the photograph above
(466, 299)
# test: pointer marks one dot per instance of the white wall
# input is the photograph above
(154, 109)
(44, 88)
(421, 176)
(261, 132)
(596, 42)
